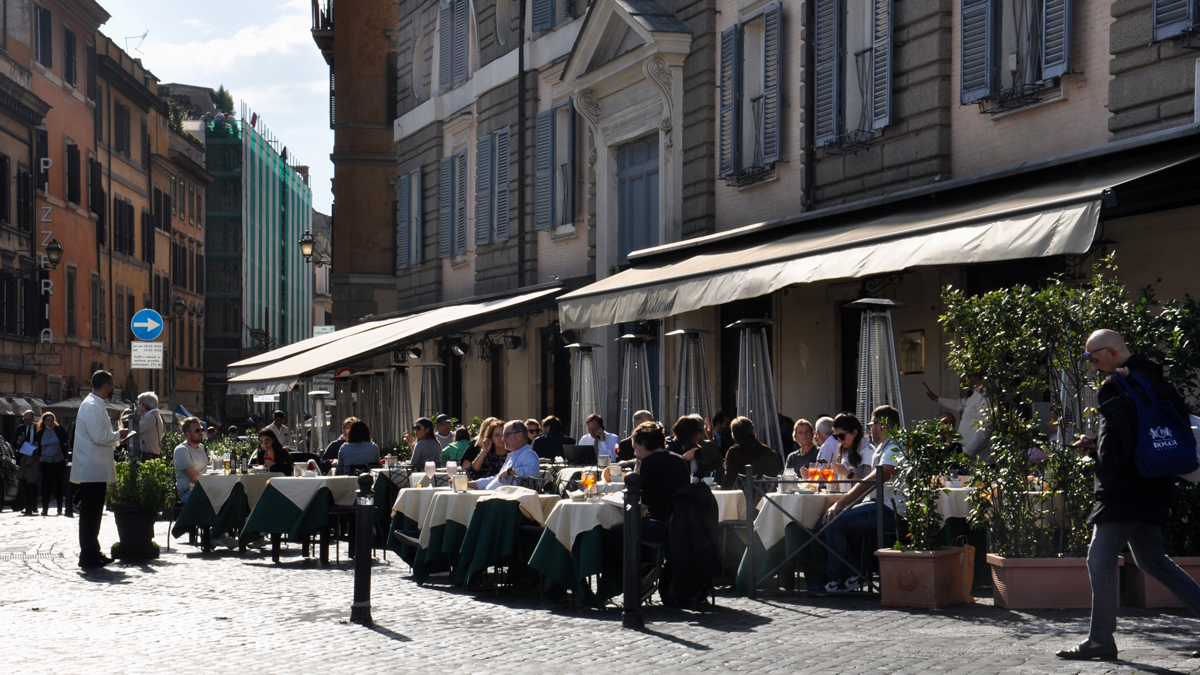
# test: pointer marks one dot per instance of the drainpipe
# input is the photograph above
(521, 146)
(810, 150)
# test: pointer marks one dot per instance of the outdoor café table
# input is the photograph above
(731, 504)
(776, 536)
(221, 501)
(447, 515)
(407, 515)
(298, 507)
(491, 536)
(388, 484)
(570, 549)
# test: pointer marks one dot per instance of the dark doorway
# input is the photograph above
(556, 375)
(851, 325)
(496, 365)
(752, 308)
(451, 383)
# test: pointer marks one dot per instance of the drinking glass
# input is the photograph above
(589, 482)
(430, 469)
(451, 468)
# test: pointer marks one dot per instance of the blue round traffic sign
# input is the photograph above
(147, 324)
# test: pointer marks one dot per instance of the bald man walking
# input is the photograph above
(1130, 508)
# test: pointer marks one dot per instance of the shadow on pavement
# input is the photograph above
(387, 633)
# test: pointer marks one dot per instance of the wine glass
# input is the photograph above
(430, 469)
(589, 483)
(451, 468)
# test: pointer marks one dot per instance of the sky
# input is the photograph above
(261, 50)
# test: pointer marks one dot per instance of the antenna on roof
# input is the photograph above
(141, 39)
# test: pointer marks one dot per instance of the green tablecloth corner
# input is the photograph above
(445, 542)
(491, 538)
(385, 496)
(274, 514)
(198, 511)
(811, 561)
(570, 569)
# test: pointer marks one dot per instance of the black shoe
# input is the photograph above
(1087, 651)
(45, 512)
(99, 561)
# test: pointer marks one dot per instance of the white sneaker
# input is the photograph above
(834, 587)
(853, 584)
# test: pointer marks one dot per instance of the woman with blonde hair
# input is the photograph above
(492, 451)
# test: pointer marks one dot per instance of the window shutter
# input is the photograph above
(445, 206)
(5, 189)
(73, 175)
(543, 168)
(1172, 17)
(128, 125)
(772, 34)
(403, 226)
(978, 62)
(415, 229)
(483, 190)
(881, 65)
(461, 22)
(42, 140)
(502, 165)
(460, 205)
(47, 38)
(827, 50)
(1056, 40)
(543, 14)
(445, 47)
(731, 97)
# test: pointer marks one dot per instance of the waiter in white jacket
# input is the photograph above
(93, 466)
(971, 412)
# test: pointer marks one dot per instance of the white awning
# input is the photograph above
(281, 375)
(254, 362)
(1016, 219)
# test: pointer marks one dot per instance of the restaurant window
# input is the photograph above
(70, 60)
(43, 36)
(1012, 50)
(853, 70)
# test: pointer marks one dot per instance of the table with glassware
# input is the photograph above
(578, 474)
(571, 550)
(221, 502)
(298, 507)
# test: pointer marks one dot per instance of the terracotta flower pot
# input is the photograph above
(1041, 583)
(1142, 590)
(920, 578)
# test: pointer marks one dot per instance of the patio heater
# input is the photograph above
(691, 382)
(318, 420)
(635, 381)
(756, 385)
(401, 408)
(878, 371)
(585, 387)
(431, 389)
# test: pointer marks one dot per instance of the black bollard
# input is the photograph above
(360, 610)
(631, 615)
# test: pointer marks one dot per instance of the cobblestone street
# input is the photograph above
(193, 613)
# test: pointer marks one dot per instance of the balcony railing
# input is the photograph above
(322, 15)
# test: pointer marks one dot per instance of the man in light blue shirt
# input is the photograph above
(521, 460)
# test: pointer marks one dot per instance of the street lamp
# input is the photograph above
(308, 248)
(54, 253)
(179, 307)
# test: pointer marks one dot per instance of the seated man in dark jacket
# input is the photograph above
(550, 444)
(748, 450)
(1130, 508)
(662, 472)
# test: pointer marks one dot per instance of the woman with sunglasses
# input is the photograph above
(272, 455)
(425, 448)
(492, 451)
(854, 447)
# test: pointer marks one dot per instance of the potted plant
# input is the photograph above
(918, 571)
(1182, 539)
(135, 500)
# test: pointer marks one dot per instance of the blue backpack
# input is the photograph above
(1165, 444)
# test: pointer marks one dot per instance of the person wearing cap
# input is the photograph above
(443, 435)
(281, 430)
(424, 447)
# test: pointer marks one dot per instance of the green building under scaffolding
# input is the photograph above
(259, 287)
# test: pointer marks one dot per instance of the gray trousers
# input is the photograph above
(1146, 543)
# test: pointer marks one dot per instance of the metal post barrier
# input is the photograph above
(360, 610)
(748, 489)
(631, 615)
(878, 518)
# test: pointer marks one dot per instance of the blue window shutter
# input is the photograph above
(978, 50)
(1173, 17)
(502, 166)
(881, 65)
(403, 226)
(461, 31)
(483, 190)
(731, 100)
(416, 232)
(446, 206)
(445, 47)
(1056, 40)
(460, 203)
(568, 214)
(543, 168)
(827, 71)
(543, 14)
(772, 42)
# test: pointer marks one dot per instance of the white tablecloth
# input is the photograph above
(805, 507)
(533, 505)
(218, 487)
(569, 518)
(300, 491)
(731, 504)
(413, 502)
(953, 502)
(444, 505)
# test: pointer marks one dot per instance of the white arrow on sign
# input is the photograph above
(148, 324)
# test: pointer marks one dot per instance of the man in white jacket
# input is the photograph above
(971, 412)
(93, 467)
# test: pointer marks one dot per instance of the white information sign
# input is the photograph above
(266, 398)
(322, 330)
(146, 355)
(323, 381)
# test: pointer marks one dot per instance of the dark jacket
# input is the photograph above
(1122, 494)
(64, 441)
(625, 450)
(763, 460)
(708, 457)
(331, 453)
(663, 474)
(550, 446)
(693, 556)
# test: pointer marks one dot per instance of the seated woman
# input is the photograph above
(803, 434)
(702, 455)
(662, 472)
(454, 450)
(425, 447)
(272, 456)
(854, 453)
(491, 455)
(358, 452)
